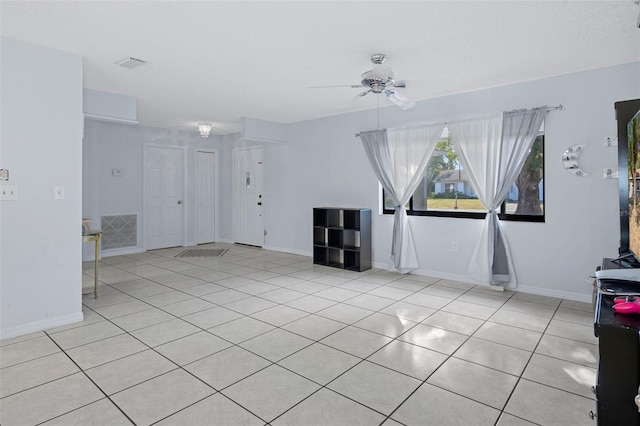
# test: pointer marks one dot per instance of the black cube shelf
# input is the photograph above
(342, 238)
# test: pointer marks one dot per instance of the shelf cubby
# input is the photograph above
(320, 255)
(320, 217)
(335, 258)
(351, 260)
(335, 218)
(335, 237)
(319, 236)
(351, 219)
(351, 239)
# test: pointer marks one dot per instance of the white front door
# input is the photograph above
(248, 221)
(163, 195)
(205, 196)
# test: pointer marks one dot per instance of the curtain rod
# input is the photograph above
(553, 108)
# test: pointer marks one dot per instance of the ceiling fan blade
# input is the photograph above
(352, 86)
(351, 104)
(399, 99)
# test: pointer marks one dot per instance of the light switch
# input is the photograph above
(58, 192)
(9, 192)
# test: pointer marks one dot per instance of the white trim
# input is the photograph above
(34, 326)
(216, 199)
(578, 297)
(539, 291)
(185, 210)
(120, 252)
(110, 119)
(288, 250)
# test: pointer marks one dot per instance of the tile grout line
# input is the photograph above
(91, 380)
(352, 324)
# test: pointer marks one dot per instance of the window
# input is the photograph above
(445, 189)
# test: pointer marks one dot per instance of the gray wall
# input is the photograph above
(110, 146)
(323, 164)
(41, 145)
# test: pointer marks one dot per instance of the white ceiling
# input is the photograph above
(221, 60)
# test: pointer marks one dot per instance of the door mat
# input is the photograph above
(202, 253)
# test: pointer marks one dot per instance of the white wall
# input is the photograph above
(41, 145)
(114, 145)
(324, 165)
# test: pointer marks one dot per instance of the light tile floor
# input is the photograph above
(259, 337)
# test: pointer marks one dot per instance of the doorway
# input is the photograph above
(163, 196)
(248, 220)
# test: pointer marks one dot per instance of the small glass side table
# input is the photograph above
(94, 236)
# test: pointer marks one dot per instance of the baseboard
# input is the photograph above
(539, 291)
(447, 276)
(587, 298)
(224, 241)
(120, 252)
(290, 251)
(32, 327)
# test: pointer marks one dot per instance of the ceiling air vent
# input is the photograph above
(130, 62)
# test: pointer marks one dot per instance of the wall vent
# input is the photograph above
(131, 62)
(119, 231)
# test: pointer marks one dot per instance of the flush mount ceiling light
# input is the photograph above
(204, 129)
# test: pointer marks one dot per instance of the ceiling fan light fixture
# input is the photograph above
(204, 129)
(378, 58)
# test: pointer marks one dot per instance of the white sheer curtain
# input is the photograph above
(398, 158)
(493, 150)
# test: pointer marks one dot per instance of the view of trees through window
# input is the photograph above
(445, 188)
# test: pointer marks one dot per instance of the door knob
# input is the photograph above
(179, 201)
(260, 203)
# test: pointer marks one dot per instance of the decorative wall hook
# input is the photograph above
(570, 160)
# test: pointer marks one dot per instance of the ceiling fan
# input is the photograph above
(381, 80)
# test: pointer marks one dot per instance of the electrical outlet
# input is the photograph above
(454, 246)
(58, 192)
(9, 192)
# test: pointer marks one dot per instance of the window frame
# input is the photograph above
(503, 215)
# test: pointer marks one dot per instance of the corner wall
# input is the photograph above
(326, 166)
(111, 146)
(41, 145)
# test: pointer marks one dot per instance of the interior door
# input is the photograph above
(248, 220)
(163, 195)
(205, 196)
